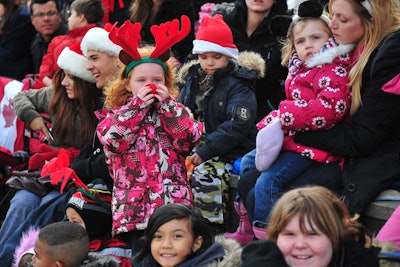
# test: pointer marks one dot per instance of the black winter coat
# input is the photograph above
(229, 110)
(371, 142)
(269, 90)
(170, 10)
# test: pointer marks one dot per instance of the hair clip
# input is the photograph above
(165, 35)
(367, 5)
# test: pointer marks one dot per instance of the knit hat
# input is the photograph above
(97, 39)
(214, 35)
(94, 208)
(71, 59)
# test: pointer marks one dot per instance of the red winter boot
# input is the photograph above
(244, 232)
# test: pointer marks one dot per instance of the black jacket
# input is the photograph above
(371, 142)
(229, 107)
(15, 53)
(170, 10)
(39, 46)
(269, 90)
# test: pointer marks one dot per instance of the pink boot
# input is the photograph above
(244, 233)
(260, 233)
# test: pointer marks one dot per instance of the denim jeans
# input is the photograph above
(268, 185)
(38, 217)
(271, 182)
(21, 205)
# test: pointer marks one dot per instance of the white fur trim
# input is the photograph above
(97, 39)
(76, 64)
(329, 55)
(200, 46)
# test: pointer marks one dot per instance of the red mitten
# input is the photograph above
(37, 161)
(47, 148)
(72, 152)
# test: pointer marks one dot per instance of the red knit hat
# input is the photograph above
(214, 35)
(72, 59)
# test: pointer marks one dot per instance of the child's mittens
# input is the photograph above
(268, 144)
(38, 159)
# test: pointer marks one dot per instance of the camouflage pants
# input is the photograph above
(210, 186)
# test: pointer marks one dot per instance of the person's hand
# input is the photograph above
(161, 92)
(196, 159)
(38, 124)
(47, 81)
(147, 94)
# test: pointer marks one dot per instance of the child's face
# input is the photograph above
(309, 38)
(69, 83)
(212, 61)
(173, 242)
(74, 20)
(299, 249)
(74, 216)
(102, 66)
(41, 257)
(144, 74)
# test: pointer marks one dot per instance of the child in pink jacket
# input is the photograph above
(146, 133)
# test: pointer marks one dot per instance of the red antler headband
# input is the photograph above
(166, 35)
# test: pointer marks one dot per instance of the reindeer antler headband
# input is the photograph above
(166, 35)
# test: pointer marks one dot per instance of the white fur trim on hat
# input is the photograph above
(200, 46)
(76, 64)
(97, 39)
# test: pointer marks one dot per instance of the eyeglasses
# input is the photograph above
(48, 14)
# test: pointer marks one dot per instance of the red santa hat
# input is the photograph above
(71, 59)
(214, 35)
(97, 39)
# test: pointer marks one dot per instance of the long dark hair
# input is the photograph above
(65, 110)
(198, 225)
(10, 6)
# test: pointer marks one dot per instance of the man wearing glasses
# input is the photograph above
(47, 20)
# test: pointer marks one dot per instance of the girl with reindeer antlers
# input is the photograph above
(146, 133)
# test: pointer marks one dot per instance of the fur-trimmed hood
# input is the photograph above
(233, 252)
(329, 53)
(252, 61)
(26, 245)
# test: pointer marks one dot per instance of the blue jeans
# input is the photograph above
(49, 212)
(21, 205)
(270, 183)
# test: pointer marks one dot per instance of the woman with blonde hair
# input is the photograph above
(370, 140)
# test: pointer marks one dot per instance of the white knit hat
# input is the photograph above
(71, 59)
(97, 39)
(214, 35)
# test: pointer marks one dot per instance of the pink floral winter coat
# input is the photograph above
(145, 148)
(317, 97)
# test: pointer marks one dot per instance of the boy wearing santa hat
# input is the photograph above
(219, 90)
